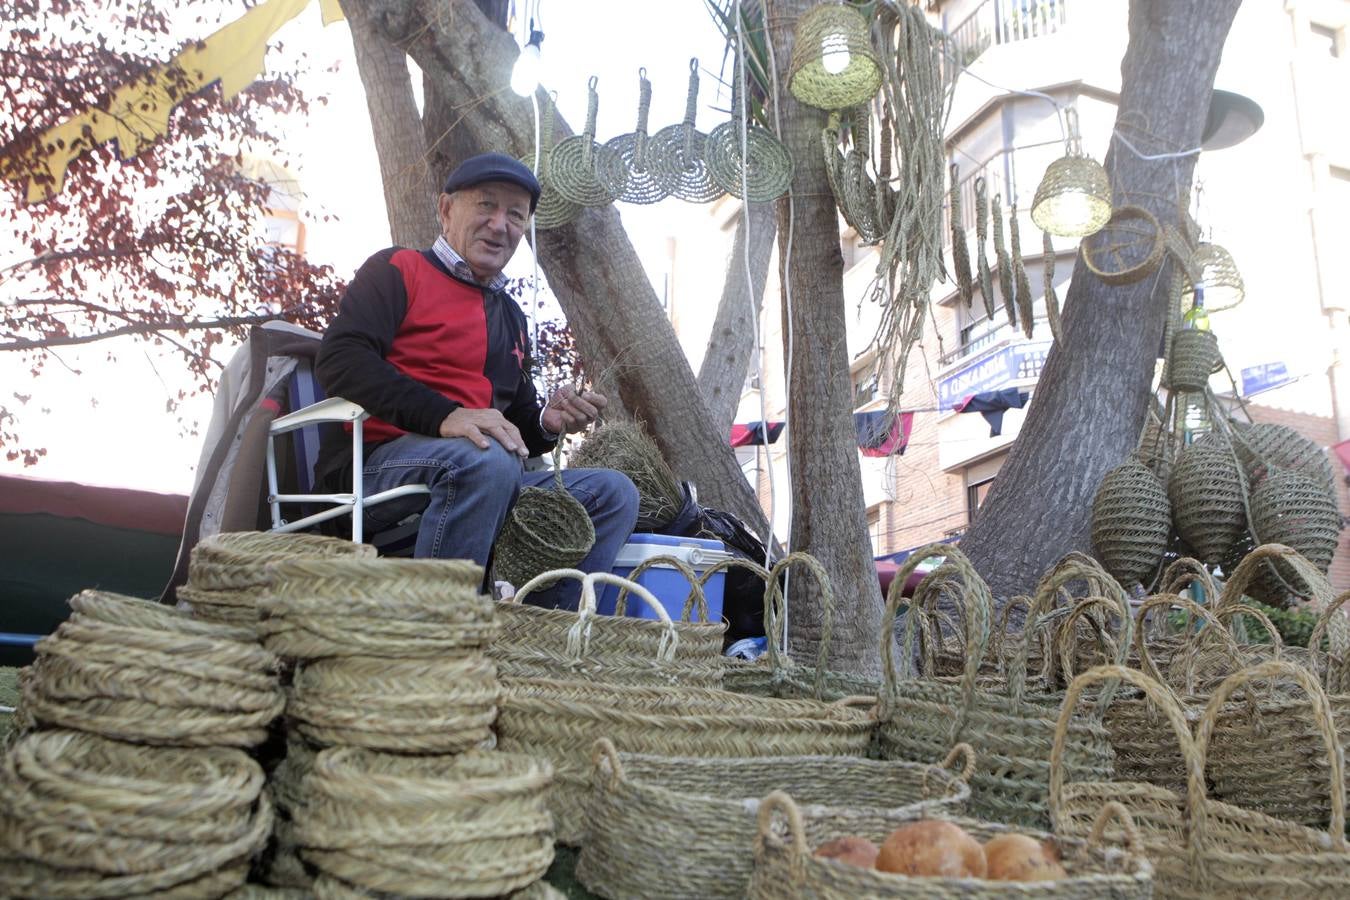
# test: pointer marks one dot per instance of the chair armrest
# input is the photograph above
(334, 409)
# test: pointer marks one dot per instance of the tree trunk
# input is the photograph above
(1093, 393)
(829, 518)
(735, 334)
(409, 184)
(621, 329)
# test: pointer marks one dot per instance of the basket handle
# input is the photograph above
(977, 619)
(770, 623)
(604, 752)
(1115, 811)
(959, 751)
(544, 579)
(1337, 662)
(1066, 637)
(1162, 698)
(1241, 609)
(781, 803)
(1322, 718)
(695, 602)
(814, 566)
(1184, 572)
(1168, 601)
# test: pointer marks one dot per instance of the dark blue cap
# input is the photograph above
(493, 167)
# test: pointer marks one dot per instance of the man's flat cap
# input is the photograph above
(493, 167)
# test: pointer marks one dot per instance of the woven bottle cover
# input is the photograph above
(886, 195)
(960, 252)
(1193, 358)
(641, 181)
(1131, 521)
(1005, 273)
(833, 35)
(553, 209)
(981, 235)
(766, 165)
(574, 163)
(678, 153)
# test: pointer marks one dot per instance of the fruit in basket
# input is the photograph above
(1016, 857)
(851, 849)
(932, 848)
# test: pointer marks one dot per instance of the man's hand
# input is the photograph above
(479, 424)
(569, 411)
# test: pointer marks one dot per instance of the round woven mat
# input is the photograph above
(768, 166)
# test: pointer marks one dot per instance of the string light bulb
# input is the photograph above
(834, 55)
(525, 73)
(1074, 196)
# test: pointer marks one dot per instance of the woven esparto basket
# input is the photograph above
(1131, 521)
(1206, 489)
(1293, 509)
(85, 816)
(643, 806)
(560, 721)
(417, 825)
(1009, 727)
(555, 643)
(775, 674)
(408, 706)
(160, 679)
(786, 868)
(1201, 847)
(395, 608)
(1266, 444)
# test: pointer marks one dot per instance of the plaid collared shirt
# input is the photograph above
(456, 264)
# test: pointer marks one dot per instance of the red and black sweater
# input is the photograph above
(412, 343)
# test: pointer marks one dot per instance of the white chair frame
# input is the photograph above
(354, 503)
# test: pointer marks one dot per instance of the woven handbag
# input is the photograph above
(418, 825)
(556, 643)
(560, 721)
(1010, 728)
(1201, 847)
(641, 806)
(785, 867)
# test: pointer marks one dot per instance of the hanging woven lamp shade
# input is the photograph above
(1073, 198)
(679, 153)
(1292, 509)
(1213, 266)
(643, 182)
(582, 171)
(553, 209)
(833, 63)
(1131, 520)
(1205, 490)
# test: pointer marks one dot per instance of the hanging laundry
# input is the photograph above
(881, 433)
(751, 434)
(1342, 451)
(992, 405)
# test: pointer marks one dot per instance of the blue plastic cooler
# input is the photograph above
(666, 583)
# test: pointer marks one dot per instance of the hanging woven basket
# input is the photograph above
(1195, 356)
(1131, 519)
(1292, 509)
(833, 63)
(1206, 490)
(1282, 446)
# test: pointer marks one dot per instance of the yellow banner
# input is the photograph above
(138, 114)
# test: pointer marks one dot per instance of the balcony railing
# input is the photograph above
(1005, 22)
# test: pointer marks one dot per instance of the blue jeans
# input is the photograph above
(472, 490)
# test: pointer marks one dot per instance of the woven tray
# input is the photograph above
(786, 868)
(641, 806)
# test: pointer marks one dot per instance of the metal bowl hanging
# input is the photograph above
(679, 153)
(833, 63)
(642, 182)
(575, 163)
(766, 165)
(553, 209)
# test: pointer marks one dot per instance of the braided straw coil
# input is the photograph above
(411, 705)
(833, 64)
(1051, 298)
(1292, 509)
(1206, 492)
(553, 209)
(982, 269)
(1199, 846)
(641, 805)
(393, 608)
(678, 153)
(626, 448)
(786, 867)
(584, 172)
(555, 643)
(84, 816)
(413, 825)
(643, 181)
(960, 251)
(1006, 286)
(1131, 519)
(1194, 357)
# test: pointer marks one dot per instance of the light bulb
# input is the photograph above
(834, 53)
(525, 73)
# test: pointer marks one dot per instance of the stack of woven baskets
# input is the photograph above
(130, 778)
(389, 783)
